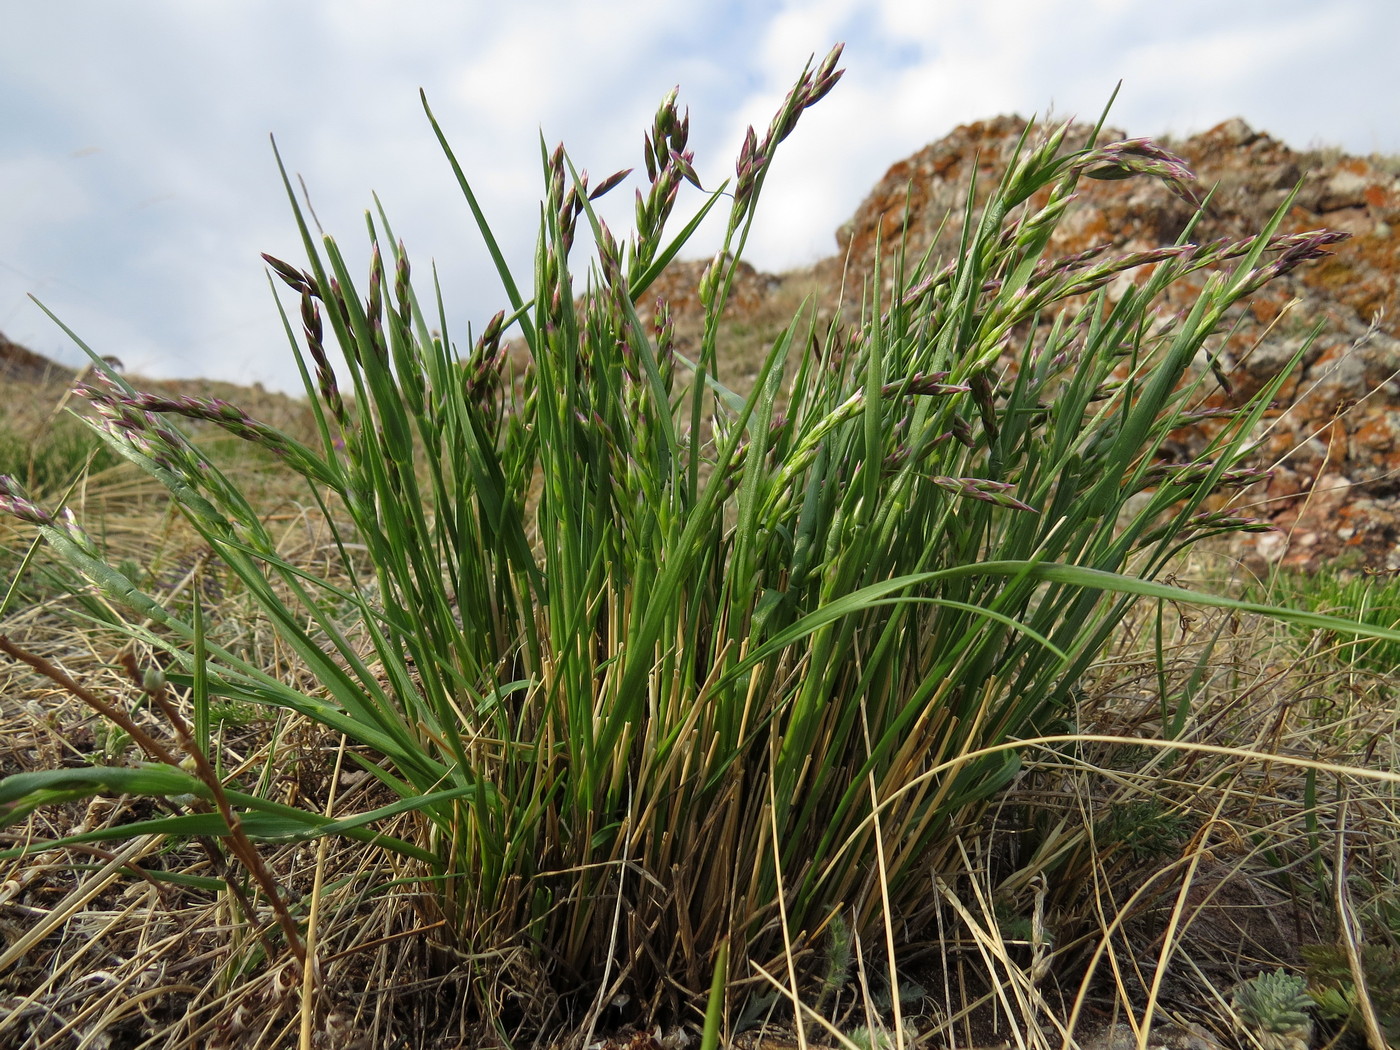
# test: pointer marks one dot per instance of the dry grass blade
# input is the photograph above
(70, 905)
(1349, 934)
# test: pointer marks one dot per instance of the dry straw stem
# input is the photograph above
(153, 684)
(1028, 1005)
(1350, 936)
(310, 965)
(91, 886)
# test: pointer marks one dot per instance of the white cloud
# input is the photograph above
(39, 191)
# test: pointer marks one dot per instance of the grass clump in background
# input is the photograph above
(56, 455)
(1371, 598)
(650, 692)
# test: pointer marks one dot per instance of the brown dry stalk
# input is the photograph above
(239, 843)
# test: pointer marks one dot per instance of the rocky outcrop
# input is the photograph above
(1334, 434)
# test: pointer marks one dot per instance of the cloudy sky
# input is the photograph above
(138, 187)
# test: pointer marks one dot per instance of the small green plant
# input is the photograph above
(1332, 984)
(863, 1037)
(1145, 829)
(1274, 1009)
(839, 960)
(655, 672)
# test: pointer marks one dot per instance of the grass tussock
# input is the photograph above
(602, 693)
